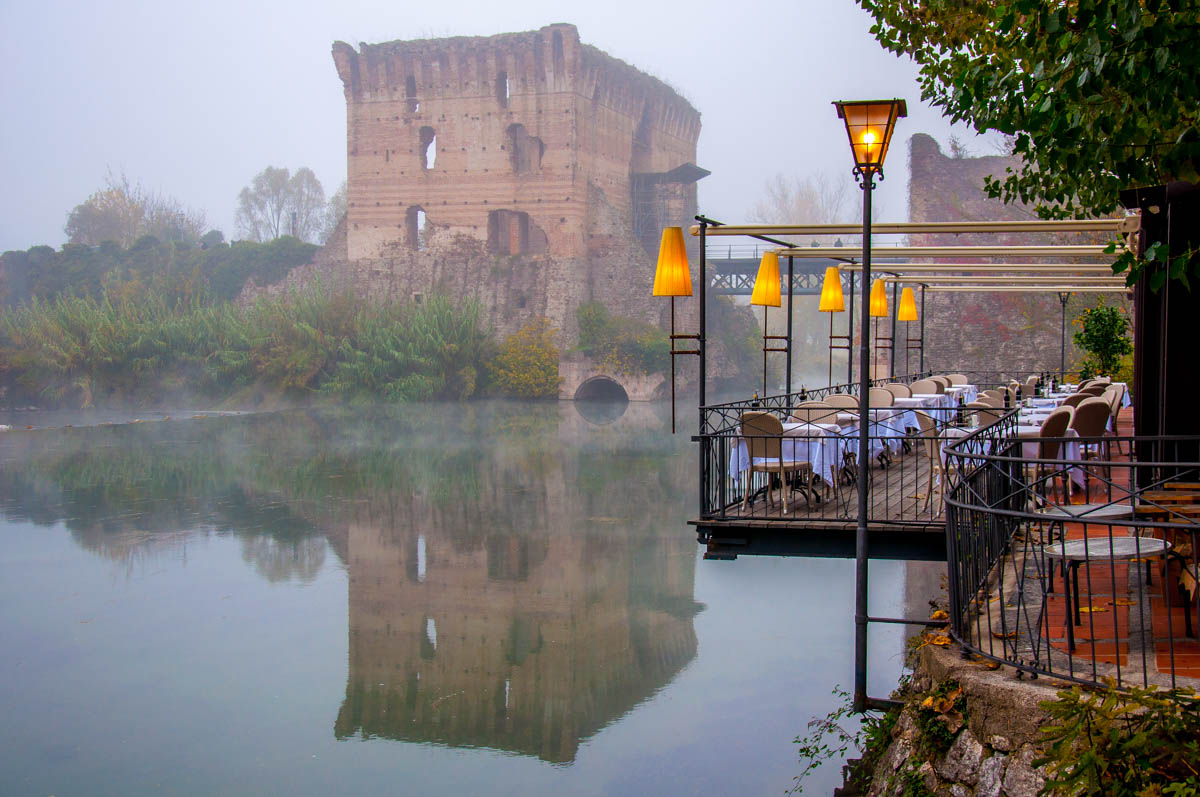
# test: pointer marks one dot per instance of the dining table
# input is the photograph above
(820, 444)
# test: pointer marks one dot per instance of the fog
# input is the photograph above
(194, 99)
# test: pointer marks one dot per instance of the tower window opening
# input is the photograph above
(410, 94)
(428, 147)
(417, 228)
(502, 89)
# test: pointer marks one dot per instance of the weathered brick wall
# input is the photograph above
(532, 123)
(986, 331)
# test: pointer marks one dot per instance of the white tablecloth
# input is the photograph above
(969, 393)
(820, 444)
(1069, 450)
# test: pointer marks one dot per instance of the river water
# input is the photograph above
(489, 598)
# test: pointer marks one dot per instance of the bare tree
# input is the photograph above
(816, 199)
(122, 211)
(279, 203)
(335, 211)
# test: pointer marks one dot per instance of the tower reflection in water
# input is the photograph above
(551, 601)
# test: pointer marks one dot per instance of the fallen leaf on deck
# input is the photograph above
(1124, 602)
(1093, 609)
(1009, 635)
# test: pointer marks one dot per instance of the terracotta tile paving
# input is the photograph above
(1103, 634)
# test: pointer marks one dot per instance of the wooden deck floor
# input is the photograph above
(897, 498)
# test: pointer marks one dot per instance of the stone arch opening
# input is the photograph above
(428, 147)
(601, 388)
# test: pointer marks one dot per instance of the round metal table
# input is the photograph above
(1074, 553)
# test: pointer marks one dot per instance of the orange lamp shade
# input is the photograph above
(908, 306)
(672, 277)
(832, 298)
(870, 124)
(766, 284)
(879, 308)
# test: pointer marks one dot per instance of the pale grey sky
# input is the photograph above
(193, 99)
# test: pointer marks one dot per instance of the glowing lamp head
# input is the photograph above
(832, 298)
(766, 284)
(870, 124)
(879, 304)
(672, 277)
(908, 306)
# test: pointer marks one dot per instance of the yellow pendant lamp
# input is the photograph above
(672, 276)
(832, 298)
(879, 304)
(908, 306)
(766, 284)
(766, 294)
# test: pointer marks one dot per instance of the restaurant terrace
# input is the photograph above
(1069, 536)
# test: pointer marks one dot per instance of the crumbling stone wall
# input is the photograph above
(996, 737)
(528, 171)
(984, 331)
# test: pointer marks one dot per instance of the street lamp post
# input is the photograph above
(869, 126)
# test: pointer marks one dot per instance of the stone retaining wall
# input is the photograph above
(995, 736)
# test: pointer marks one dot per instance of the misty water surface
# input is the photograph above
(494, 598)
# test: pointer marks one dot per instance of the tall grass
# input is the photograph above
(87, 350)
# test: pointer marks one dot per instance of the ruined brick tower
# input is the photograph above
(528, 171)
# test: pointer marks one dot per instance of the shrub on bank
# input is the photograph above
(84, 350)
(527, 364)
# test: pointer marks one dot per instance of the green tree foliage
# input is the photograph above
(86, 350)
(123, 212)
(172, 267)
(1135, 742)
(527, 364)
(1098, 95)
(1103, 332)
(624, 344)
(280, 203)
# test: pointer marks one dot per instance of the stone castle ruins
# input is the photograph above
(527, 171)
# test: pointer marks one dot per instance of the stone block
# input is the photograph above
(991, 776)
(1021, 779)
(961, 761)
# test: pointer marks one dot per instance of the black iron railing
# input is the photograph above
(1080, 565)
(905, 481)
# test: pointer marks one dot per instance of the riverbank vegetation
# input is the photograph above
(149, 347)
(173, 269)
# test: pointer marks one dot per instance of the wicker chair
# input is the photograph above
(1075, 399)
(898, 390)
(926, 386)
(763, 433)
(814, 412)
(1053, 429)
(931, 445)
(880, 397)
(958, 379)
(984, 413)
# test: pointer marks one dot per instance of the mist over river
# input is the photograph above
(478, 598)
